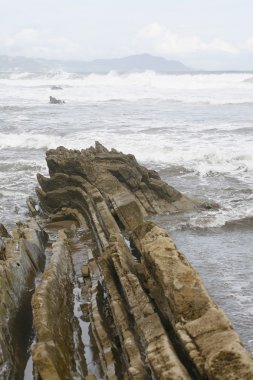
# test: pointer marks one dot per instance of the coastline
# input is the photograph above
(95, 206)
(184, 129)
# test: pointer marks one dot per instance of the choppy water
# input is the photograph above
(197, 130)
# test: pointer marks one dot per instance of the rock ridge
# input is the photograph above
(165, 323)
(117, 300)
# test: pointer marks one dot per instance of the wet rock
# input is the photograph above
(85, 271)
(55, 101)
(152, 335)
(2, 250)
(54, 322)
(103, 339)
(24, 258)
(208, 205)
(3, 232)
(33, 207)
(116, 177)
(151, 318)
(205, 331)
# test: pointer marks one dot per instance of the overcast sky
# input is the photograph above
(208, 34)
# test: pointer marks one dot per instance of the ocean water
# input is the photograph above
(196, 130)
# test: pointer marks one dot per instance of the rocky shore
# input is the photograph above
(117, 300)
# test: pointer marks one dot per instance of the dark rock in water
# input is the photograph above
(56, 88)
(33, 207)
(209, 205)
(3, 232)
(55, 101)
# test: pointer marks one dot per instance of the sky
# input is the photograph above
(203, 34)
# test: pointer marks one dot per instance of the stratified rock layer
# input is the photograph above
(22, 260)
(203, 328)
(54, 351)
(151, 315)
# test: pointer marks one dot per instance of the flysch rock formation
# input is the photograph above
(21, 260)
(55, 350)
(117, 300)
(150, 314)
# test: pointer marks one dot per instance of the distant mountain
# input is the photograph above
(8, 63)
(140, 62)
(133, 63)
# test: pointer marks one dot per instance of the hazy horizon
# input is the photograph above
(209, 35)
(90, 66)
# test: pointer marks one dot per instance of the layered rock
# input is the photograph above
(203, 329)
(21, 260)
(57, 340)
(150, 315)
(162, 322)
(117, 177)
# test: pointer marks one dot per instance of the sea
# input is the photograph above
(195, 129)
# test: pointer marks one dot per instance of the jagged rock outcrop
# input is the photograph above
(112, 279)
(115, 177)
(23, 260)
(151, 315)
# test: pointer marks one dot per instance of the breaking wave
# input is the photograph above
(223, 89)
(206, 160)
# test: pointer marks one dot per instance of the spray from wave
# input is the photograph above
(220, 89)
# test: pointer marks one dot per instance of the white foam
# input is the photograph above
(28, 140)
(201, 157)
(216, 219)
(189, 88)
(160, 136)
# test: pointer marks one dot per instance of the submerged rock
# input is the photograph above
(56, 88)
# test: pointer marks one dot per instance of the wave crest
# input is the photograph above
(223, 89)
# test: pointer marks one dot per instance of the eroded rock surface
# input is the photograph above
(55, 326)
(115, 291)
(23, 260)
(151, 315)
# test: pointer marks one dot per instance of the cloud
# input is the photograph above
(33, 43)
(250, 43)
(151, 31)
(163, 41)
